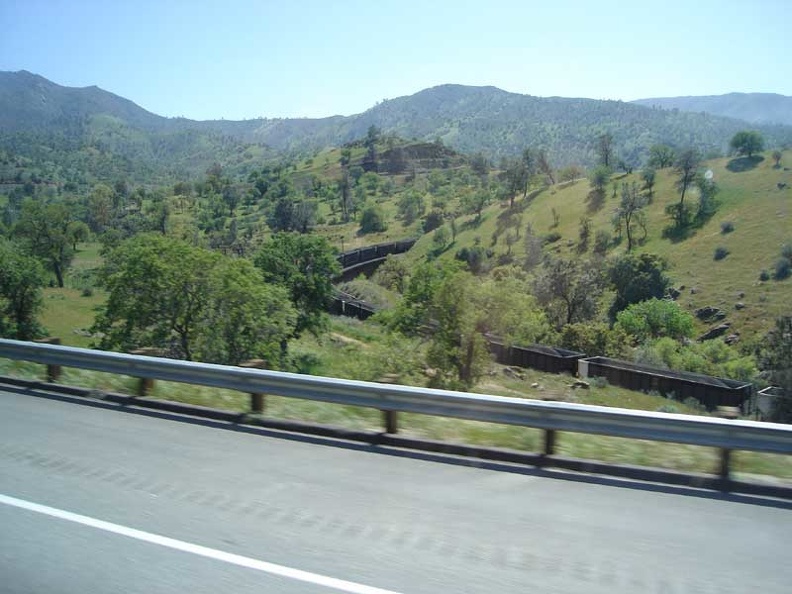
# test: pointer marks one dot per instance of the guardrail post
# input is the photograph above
(53, 371)
(390, 418)
(549, 442)
(257, 400)
(145, 384)
(725, 464)
(726, 412)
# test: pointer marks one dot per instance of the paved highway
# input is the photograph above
(99, 500)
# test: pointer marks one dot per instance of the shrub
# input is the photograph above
(764, 275)
(668, 408)
(552, 237)
(476, 258)
(655, 318)
(786, 251)
(720, 253)
(599, 382)
(440, 239)
(783, 268)
(727, 227)
(433, 221)
(691, 402)
(601, 242)
(372, 220)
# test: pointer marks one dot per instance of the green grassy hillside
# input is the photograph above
(751, 200)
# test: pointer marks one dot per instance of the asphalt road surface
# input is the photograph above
(94, 499)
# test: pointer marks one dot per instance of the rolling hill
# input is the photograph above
(41, 119)
(756, 201)
(756, 108)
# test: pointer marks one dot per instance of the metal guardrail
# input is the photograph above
(551, 417)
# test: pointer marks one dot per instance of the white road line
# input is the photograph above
(180, 545)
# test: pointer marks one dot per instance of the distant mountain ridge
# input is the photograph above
(30, 101)
(756, 108)
(35, 113)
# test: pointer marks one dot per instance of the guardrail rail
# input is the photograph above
(551, 417)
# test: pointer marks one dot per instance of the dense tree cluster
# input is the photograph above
(191, 303)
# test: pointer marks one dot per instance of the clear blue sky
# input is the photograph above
(246, 58)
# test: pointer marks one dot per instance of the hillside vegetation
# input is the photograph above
(749, 201)
(85, 135)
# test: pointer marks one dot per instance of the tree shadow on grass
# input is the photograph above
(741, 164)
(676, 233)
(595, 201)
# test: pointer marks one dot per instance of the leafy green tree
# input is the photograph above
(595, 339)
(414, 309)
(707, 190)
(21, 281)
(292, 213)
(656, 318)
(245, 318)
(231, 197)
(568, 290)
(629, 213)
(584, 234)
(686, 168)
(661, 156)
(479, 164)
(648, 176)
(157, 288)
(370, 142)
(78, 233)
(599, 178)
(518, 173)
(543, 163)
(47, 232)
(305, 266)
(158, 212)
(433, 220)
(570, 173)
(775, 360)
(346, 158)
(467, 311)
(476, 201)
(191, 302)
(372, 220)
(101, 211)
(440, 239)
(635, 278)
(747, 142)
(458, 349)
(604, 149)
(392, 274)
(712, 357)
(371, 182)
(411, 206)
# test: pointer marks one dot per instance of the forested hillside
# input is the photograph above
(86, 135)
(99, 136)
(756, 108)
